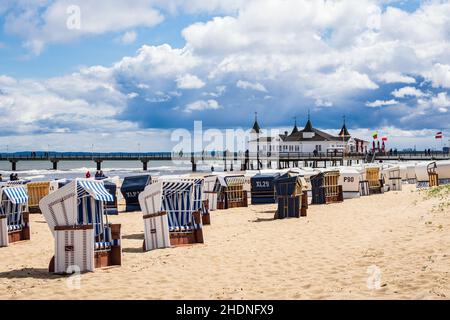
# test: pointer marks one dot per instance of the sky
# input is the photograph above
(125, 75)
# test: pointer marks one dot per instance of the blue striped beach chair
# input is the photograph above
(172, 213)
(14, 216)
(77, 216)
(200, 202)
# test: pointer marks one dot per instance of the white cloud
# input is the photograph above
(441, 100)
(407, 92)
(316, 55)
(128, 37)
(201, 105)
(439, 75)
(40, 23)
(189, 81)
(7, 81)
(394, 77)
(323, 103)
(252, 86)
(381, 103)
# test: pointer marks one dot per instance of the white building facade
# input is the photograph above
(308, 140)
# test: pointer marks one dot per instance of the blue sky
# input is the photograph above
(130, 70)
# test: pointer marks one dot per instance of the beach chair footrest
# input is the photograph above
(185, 238)
(206, 219)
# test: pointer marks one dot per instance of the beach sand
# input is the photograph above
(334, 253)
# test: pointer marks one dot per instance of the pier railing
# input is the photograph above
(226, 156)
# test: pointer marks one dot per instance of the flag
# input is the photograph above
(439, 135)
(384, 139)
(375, 135)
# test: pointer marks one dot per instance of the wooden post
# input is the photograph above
(13, 165)
(144, 165)
(99, 164)
(55, 165)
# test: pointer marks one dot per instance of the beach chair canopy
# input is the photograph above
(96, 190)
(17, 182)
(267, 178)
(17, 195)
(176, 198)
(263, 188)
(79, 202)
(287, 185)
(232, 181)
(198, 191)
(131, 188)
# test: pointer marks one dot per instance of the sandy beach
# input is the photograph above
(331, 254)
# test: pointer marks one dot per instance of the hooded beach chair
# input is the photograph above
(263, 188)
(131, 188)
(209, 192)
(394, 179)
(292, 196)
(231, 192)
(76, 216)
(326, 188)
(438, 173)
(374, 180)
(350, 178)
(201, 201)
(170, 216)
(14, 218)
(37, 191)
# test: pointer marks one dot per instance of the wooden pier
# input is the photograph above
(244, 160)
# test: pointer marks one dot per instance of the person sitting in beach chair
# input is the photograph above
(77, 218)
(14, 218)
(170, 217)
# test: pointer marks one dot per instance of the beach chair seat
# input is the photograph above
(14, 217)
(15, 227)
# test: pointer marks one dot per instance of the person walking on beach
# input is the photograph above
(88, 175)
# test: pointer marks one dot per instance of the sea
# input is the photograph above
(42, 170)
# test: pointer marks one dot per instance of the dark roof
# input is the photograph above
(295, 130)
(344, 131)
(256, 128)
(308, 127)
(318, 136)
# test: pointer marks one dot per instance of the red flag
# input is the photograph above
(439, 135)
(384, 139)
